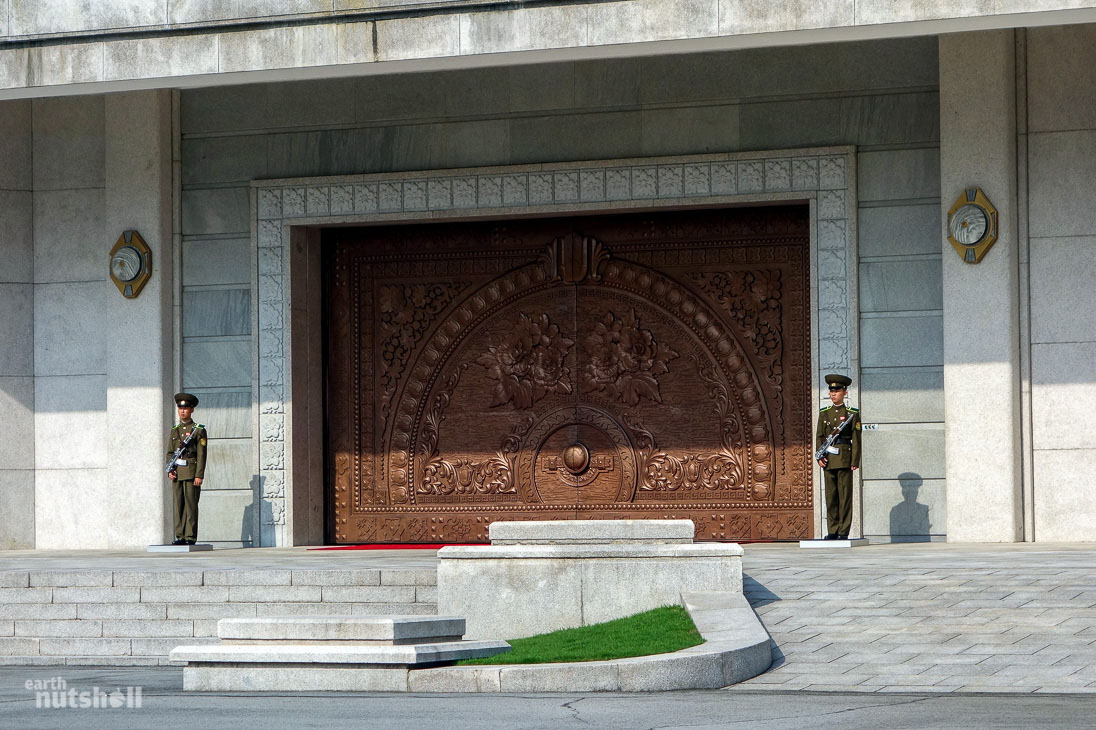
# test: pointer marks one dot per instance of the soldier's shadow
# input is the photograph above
(909, 519)
(255, 514)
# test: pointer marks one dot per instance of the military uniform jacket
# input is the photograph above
(195, 454)
(848, 442)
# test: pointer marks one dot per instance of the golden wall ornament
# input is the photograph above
(972, 225)
(130, 264)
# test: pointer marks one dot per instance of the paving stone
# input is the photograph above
(19, 646)
(269, 594)
(72, 578)
(184, 594)
(206, 627)
(303, 609)
(89, 647)
(999, 649)
(26, 595)
(137, 628)
(47, 627)
(1057, 671)
(337, 577)
(14, 579)
(38, 610)
(247, 577)
(163, 647)
(157, 578)
(210, 610)
(772, 677)
(936, 662)
(384, 609)
(110, 661)
(148, 611)
(369, 594)
(95, 595)
(409, 577)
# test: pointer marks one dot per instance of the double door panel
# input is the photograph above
(615, 367)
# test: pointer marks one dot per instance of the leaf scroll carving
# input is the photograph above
(752, 299)
(406, 312)
(722, 471)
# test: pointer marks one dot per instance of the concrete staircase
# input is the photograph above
(128, 617)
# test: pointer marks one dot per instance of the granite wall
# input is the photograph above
(83, 372)
(1061, 178)
(880, 96)
(16, 328)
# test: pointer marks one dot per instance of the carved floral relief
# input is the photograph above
(528, 362)
(623, 360)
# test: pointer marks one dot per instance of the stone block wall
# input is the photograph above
(880, 96)
(70, 301)
(16, 328)
(1061, 164)
(83, 371)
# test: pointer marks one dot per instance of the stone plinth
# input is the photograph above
(846, 543)
(196, 548)
(592, 532)
(537, 577)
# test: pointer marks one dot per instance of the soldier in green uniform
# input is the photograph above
(843, 457)
(189, 471)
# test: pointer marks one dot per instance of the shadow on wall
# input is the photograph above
(255, 514)
(909, 519)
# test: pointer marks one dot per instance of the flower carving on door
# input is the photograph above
(623, 360)
(528, 362)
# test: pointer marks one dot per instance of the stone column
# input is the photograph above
(16, 328)
(139, 341)
(981, 350)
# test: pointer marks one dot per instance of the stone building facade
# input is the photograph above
(233, 142)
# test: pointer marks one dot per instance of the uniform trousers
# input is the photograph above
(838, 500)
(186, 493)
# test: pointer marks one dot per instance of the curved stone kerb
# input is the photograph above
(736, 648)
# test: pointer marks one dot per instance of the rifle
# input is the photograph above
(171, 465)
(821, 453)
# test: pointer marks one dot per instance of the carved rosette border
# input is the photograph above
(826, 176)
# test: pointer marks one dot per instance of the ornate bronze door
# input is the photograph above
(636, 366)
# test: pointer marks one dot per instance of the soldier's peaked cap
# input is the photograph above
(186, 399)
(835, 379)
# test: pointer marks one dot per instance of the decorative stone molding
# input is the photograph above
(825, 177)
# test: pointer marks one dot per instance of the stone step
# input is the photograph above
(391, 630)
(360, 654)
(329, 652)
(118, 614)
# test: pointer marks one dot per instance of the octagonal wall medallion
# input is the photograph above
(972, 225)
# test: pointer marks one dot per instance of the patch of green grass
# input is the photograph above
(659, 631)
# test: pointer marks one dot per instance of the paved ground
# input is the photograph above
(164, 705)
(244, 559)
(926, 618)
(929, 617)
